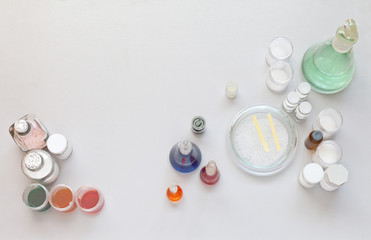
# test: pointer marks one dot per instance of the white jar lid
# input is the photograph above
(57, 143)
(293, 97)
(304, 88)
(313, 173)
(305, 108)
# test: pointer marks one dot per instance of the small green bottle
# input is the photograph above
(329, 66)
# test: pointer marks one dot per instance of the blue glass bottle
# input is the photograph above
(185, 156)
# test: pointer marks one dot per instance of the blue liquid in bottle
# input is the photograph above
(185, 157)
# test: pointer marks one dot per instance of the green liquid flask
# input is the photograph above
(329, 66)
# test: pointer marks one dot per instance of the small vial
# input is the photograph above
(311, 174)
(59, 146)
(61, 198)
(334, 177)
(198, 124)
(280, 49)
(291, 102)
(40, 167)
(174, 193)
(231, 90)
(327, 153)
(185, 156)
(279, 76)
(89, 199)
(35, 196)
(329, 121)
(29, 133)
(313, 140)
(302, 111)
(210, 174)
(303, 90)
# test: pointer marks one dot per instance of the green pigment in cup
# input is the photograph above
(36, 197)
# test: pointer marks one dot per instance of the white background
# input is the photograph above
(122, 80)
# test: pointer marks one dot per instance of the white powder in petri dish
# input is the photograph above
(280, 76)
(329, 153)
(249, 145)
(328, 123)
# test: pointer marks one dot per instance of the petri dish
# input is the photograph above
(263, 139)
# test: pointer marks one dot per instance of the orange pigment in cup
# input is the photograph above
(62, 198)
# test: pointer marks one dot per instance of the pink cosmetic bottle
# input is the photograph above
(210, 174)
(29, 133)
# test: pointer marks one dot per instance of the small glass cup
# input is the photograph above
(280, 49)
(327, 154)
(35, 196)
(89, 199)
(61, 198)
(279, 76)
(329, 121)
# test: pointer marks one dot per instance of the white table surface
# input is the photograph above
(122, 80)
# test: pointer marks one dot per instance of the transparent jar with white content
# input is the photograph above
(335, 176)
(35, 196)
(40, 167)
(302, 111)
(329, 121)
(311, 174)
(59, 146)
(291, 102)
(280, 49)
(279, 76)
(327, 153)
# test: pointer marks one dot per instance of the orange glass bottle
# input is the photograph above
(313, 140)
(174, 193)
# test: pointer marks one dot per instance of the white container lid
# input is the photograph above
(57, 143)
(313, 173)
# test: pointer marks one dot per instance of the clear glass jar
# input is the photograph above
(327, 153)
(329, 121)
(280, 49)
(89, 199)
(29, 133)
(40, 167)
(35, 196)
(61, 198)
(279, 76)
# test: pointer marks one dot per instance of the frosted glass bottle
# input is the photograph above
(329, 66)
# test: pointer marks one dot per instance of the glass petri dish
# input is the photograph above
(263, 139)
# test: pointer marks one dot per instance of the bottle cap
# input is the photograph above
(313, 173)
(185, 147)
(305, 108)
(198, 124)
(211, 168)
(57, 143)
(231, 90)
(21, 126)
(337, 174)
(293, 97)
(346, 36)
(304, 88)
(317, 135)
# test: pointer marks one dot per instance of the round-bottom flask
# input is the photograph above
(210, 174)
